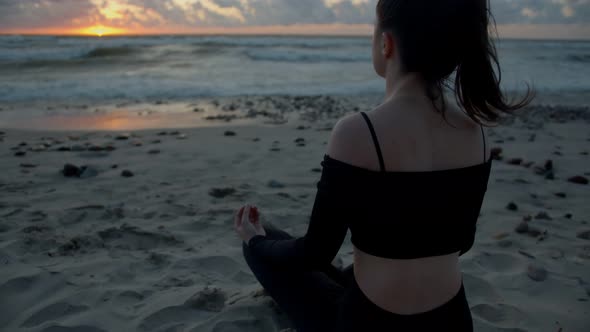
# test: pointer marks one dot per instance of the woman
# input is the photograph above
(408, 179)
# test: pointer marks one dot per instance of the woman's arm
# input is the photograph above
(328, 224)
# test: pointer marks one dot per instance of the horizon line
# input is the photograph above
(246, 34)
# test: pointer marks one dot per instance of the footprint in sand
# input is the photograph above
(244, 325)
(81, 328)
(503, 315)
(53, 312)
(499, 262)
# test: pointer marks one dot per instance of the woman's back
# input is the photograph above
(413, 137)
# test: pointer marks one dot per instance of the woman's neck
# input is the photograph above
(403, 86)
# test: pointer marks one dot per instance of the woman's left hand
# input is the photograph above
(247, 223)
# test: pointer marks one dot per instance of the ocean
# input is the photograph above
(91, 69)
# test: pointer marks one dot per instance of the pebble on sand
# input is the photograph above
(537, 272)
(209, 299)
(515, 161)
(578, 180)
(275, 184)
(26, 165)
(221, 192)
(127, 174)
(543, 216)
(88, 172)
(549, 165)
(123, 137)
(522, 228)
(584, 235)
(70, 170)
(512, 206)
(496, 153)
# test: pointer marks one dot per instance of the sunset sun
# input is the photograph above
(100, 31)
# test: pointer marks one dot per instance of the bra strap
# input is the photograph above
(375, 140)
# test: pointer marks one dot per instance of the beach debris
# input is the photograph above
(70, 170)
(182, 136)
(174, 133)
(88, 172)
(522, 228)
(156, 141)
(568, 216)
(496, 153)
(229, 133)
(543, 216)
(162, 133)
(198, 110)
(154, 151)
(137, 143)
(123, 137)
(96, 148)
(27, 165)
(300, 140)
(127, 174)
(208, 299)
(534, 232)
(584, 235)
(537, 272)
(20, 154)
(221, 192)
(64, 149)
(515, 161)
(275, 184)
(561, 195)
(548, 165)
(115, 166)
(512, 206)
(526, 254)
(223, 117)
(78, 148)
(578, 180)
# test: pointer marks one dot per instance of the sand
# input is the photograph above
(155, 251)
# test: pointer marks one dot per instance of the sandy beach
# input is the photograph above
(122, 228)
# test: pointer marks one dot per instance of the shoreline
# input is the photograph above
(202, 112)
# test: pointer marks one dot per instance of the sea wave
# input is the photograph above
(584, 58)
(292, 55)
(102, 52)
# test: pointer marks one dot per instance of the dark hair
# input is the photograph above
(440, 37)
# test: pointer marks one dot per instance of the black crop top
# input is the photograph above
(398, 215)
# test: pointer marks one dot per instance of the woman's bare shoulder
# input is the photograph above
(350, 141)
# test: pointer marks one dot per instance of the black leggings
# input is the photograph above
(331, 300)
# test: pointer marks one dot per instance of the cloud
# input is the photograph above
(236, 13)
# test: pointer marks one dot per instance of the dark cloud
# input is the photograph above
(44, 13)
(155, 13)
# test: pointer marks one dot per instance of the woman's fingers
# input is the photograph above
(246, 214)
(238, 217)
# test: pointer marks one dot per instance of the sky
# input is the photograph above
(515, 18)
